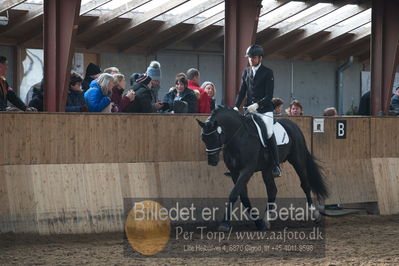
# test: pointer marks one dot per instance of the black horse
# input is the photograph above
(244, 154)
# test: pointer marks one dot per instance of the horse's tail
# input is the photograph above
(315, 176)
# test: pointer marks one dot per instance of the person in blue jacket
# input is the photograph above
(97, 96)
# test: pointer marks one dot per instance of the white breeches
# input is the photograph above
(268, 120)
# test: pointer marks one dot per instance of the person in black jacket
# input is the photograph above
(6, 92)
(37, 97)
(144, 97)
(181, 93)
(92, 72)
(257, 85)
(75, 100)
(364, 105)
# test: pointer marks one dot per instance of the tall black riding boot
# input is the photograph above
(272, 145)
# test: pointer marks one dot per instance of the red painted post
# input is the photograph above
(60, 20)
(241, 23)
(384, 53)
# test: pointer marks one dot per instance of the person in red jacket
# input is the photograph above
(203, 104)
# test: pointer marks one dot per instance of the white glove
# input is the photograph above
(31, 109)
(235, 108)
(253, 107)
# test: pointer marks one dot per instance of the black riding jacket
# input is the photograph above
(258, 89)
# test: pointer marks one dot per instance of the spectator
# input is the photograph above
(295, 108)
(210, 89)
(330, 111)
(37, 97)
(97, 96)
(133, 78)
(75, 100)
(364, 105)
(395, 100)
(112, 70)
(181, 99)
(92, 73)
(154, 71)
(6, 92)
(143, 101)
(117, 91)
(278, 105)
(203, 105)
(29, 94)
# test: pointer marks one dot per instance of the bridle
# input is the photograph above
(219, 132)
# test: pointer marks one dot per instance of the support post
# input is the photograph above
(60, 24)
(384, 53)
(241, 23)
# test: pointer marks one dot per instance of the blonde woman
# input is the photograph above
(97, 96)
(117, 91)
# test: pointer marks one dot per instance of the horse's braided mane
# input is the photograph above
(225, 112)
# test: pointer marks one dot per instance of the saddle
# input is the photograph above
(257, 125)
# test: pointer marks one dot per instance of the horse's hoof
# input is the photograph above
(317, 216)
(261, 225)
(224, 227)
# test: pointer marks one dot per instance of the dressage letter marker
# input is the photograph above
(341, 129)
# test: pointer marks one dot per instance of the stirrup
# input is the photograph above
(276, 172)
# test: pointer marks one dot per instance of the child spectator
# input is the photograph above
(75, 100)
(295, 108)
(278, 104)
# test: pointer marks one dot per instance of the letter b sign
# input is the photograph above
(341, 129)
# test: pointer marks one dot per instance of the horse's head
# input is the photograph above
(213, 137)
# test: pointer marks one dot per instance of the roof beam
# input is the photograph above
(361, 48)
(195, 29)
(209, 38)
(8, 4)
(141, 19)
(28, 17)
(196, 10)
(113, 14)
(308, 19)
(270, 5)
(355, 38)
(310, 30)
(37, 13)
(364, 57)
(361, 20)
(284, 13)
(90, 6)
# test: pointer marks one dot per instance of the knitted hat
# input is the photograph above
(92, 69)
(133, 78)
(143, 79)
(154, 70)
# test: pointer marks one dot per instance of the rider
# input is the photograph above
(258, 84)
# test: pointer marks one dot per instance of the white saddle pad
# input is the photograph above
(279, 132)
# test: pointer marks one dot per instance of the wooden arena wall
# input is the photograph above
(69, 173)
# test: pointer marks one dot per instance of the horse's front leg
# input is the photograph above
(271, 189)
(238, 189)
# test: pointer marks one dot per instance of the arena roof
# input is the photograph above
(311, 30)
